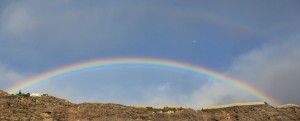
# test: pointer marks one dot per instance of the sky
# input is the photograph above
(254, 41)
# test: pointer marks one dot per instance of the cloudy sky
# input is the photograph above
(254, 41)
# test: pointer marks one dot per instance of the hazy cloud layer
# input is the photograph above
(274, 69)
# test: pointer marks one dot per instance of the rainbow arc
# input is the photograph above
(146, 62)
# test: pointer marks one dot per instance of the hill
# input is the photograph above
(49, 108)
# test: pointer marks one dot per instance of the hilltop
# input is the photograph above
(50, 108)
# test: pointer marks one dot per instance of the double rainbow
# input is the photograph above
(117, 62)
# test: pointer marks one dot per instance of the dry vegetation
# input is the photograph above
(49, 108)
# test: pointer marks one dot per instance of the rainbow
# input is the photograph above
(117, 62)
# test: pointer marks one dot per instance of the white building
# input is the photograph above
(35, 95)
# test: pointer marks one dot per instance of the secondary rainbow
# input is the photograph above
(115, 62)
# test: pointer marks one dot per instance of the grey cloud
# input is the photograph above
(211, 93)
(274, 69)
(218, 93)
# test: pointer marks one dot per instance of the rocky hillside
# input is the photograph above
(3, 93)
(49, 108)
